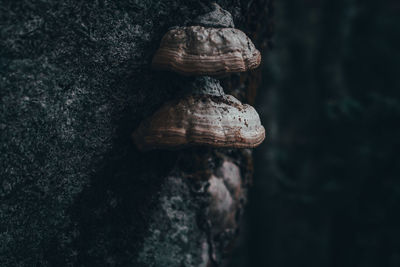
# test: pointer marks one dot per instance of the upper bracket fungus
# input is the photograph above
(211, 46)
(196, 50)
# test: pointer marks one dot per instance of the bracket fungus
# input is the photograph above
(211, 119)
(196, 50)
(205, 116)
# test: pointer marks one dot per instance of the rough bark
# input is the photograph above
(75, 81)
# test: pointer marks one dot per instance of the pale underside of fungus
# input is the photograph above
(196, 50)
(207, 120)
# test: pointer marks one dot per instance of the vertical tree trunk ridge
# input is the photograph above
(75, 81)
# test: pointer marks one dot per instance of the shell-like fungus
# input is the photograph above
(196, 50)
(209, 120)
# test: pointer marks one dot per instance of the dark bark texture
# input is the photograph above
(75, 81)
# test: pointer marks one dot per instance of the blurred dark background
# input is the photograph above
(76, 80)
(326, 189)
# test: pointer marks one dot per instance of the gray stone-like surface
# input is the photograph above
(216, 17)
(205, 85)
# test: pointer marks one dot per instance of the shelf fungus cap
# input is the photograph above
(196, 50)
(206, 120)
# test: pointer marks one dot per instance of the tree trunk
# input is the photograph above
(75, 82)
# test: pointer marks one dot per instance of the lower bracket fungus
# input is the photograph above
(204, 117)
